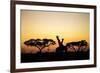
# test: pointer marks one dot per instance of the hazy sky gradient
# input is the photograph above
(46, 24)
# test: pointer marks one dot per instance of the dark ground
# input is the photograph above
(62, 56)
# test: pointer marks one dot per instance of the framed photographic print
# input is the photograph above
(51, 36)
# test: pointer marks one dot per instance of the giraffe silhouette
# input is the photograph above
(61, 47)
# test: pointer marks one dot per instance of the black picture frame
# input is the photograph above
(13, 35)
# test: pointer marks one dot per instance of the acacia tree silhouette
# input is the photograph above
(78, 43)
(40, 43)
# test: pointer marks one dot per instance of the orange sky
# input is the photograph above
(46, 24)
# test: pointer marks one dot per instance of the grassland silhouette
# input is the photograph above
(78, 50)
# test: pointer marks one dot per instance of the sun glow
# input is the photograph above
(46, 24)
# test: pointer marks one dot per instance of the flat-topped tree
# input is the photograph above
(80, 44)
(40, 43)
